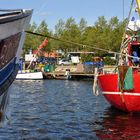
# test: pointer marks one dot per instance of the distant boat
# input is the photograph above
(29, 76)
(12, 26)
(30, 72)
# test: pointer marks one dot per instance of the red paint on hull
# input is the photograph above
(128, 101)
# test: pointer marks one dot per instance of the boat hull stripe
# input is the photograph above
(4, 73)
(125, 93)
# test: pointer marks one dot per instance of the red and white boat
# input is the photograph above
(121, 88)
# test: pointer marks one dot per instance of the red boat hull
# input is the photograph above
(128, 101)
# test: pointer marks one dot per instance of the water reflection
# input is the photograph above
(118, 125)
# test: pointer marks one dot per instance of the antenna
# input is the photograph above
(123, 8)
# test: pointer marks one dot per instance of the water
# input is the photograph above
(64, 110)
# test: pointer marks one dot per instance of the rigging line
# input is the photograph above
(128, 18)
(79, 44)
(38, 10)
(54, 38)
(71, 42)
(123, 38)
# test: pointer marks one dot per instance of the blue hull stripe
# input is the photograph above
(6, 71)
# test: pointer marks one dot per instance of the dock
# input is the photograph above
(71, 75)
(74, 72)
(69, 72)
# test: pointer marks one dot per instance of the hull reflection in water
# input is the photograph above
(116, 125)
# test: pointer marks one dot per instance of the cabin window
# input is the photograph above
(135, 51)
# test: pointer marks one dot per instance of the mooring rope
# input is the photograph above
(79, 44)
(66, 41)
(95, 85)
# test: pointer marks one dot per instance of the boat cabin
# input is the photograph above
(134, 51)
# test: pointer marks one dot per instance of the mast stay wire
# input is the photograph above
(128, 18)
(123, 44)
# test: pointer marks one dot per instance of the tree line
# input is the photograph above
(106, 34)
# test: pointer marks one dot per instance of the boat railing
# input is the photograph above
(114, 69)
(9, 12)
(109, 69)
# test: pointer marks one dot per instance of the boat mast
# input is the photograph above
(123, 59)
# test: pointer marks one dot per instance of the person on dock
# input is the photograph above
(67, 73)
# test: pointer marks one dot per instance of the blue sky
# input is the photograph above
(53, 10)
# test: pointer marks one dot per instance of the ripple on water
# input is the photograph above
(63, 110)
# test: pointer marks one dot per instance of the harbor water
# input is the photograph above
(64, 110)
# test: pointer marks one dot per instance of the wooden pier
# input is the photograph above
(68, 72)
(73, 72)
(71, 75)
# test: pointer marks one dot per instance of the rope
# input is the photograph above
(79, 44)
(71, 42)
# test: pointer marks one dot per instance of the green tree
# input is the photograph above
(30, 41)
(71, 32)
(82, 25)
(105, 34)
(59, 28)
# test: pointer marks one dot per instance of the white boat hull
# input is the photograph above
(29, 76)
